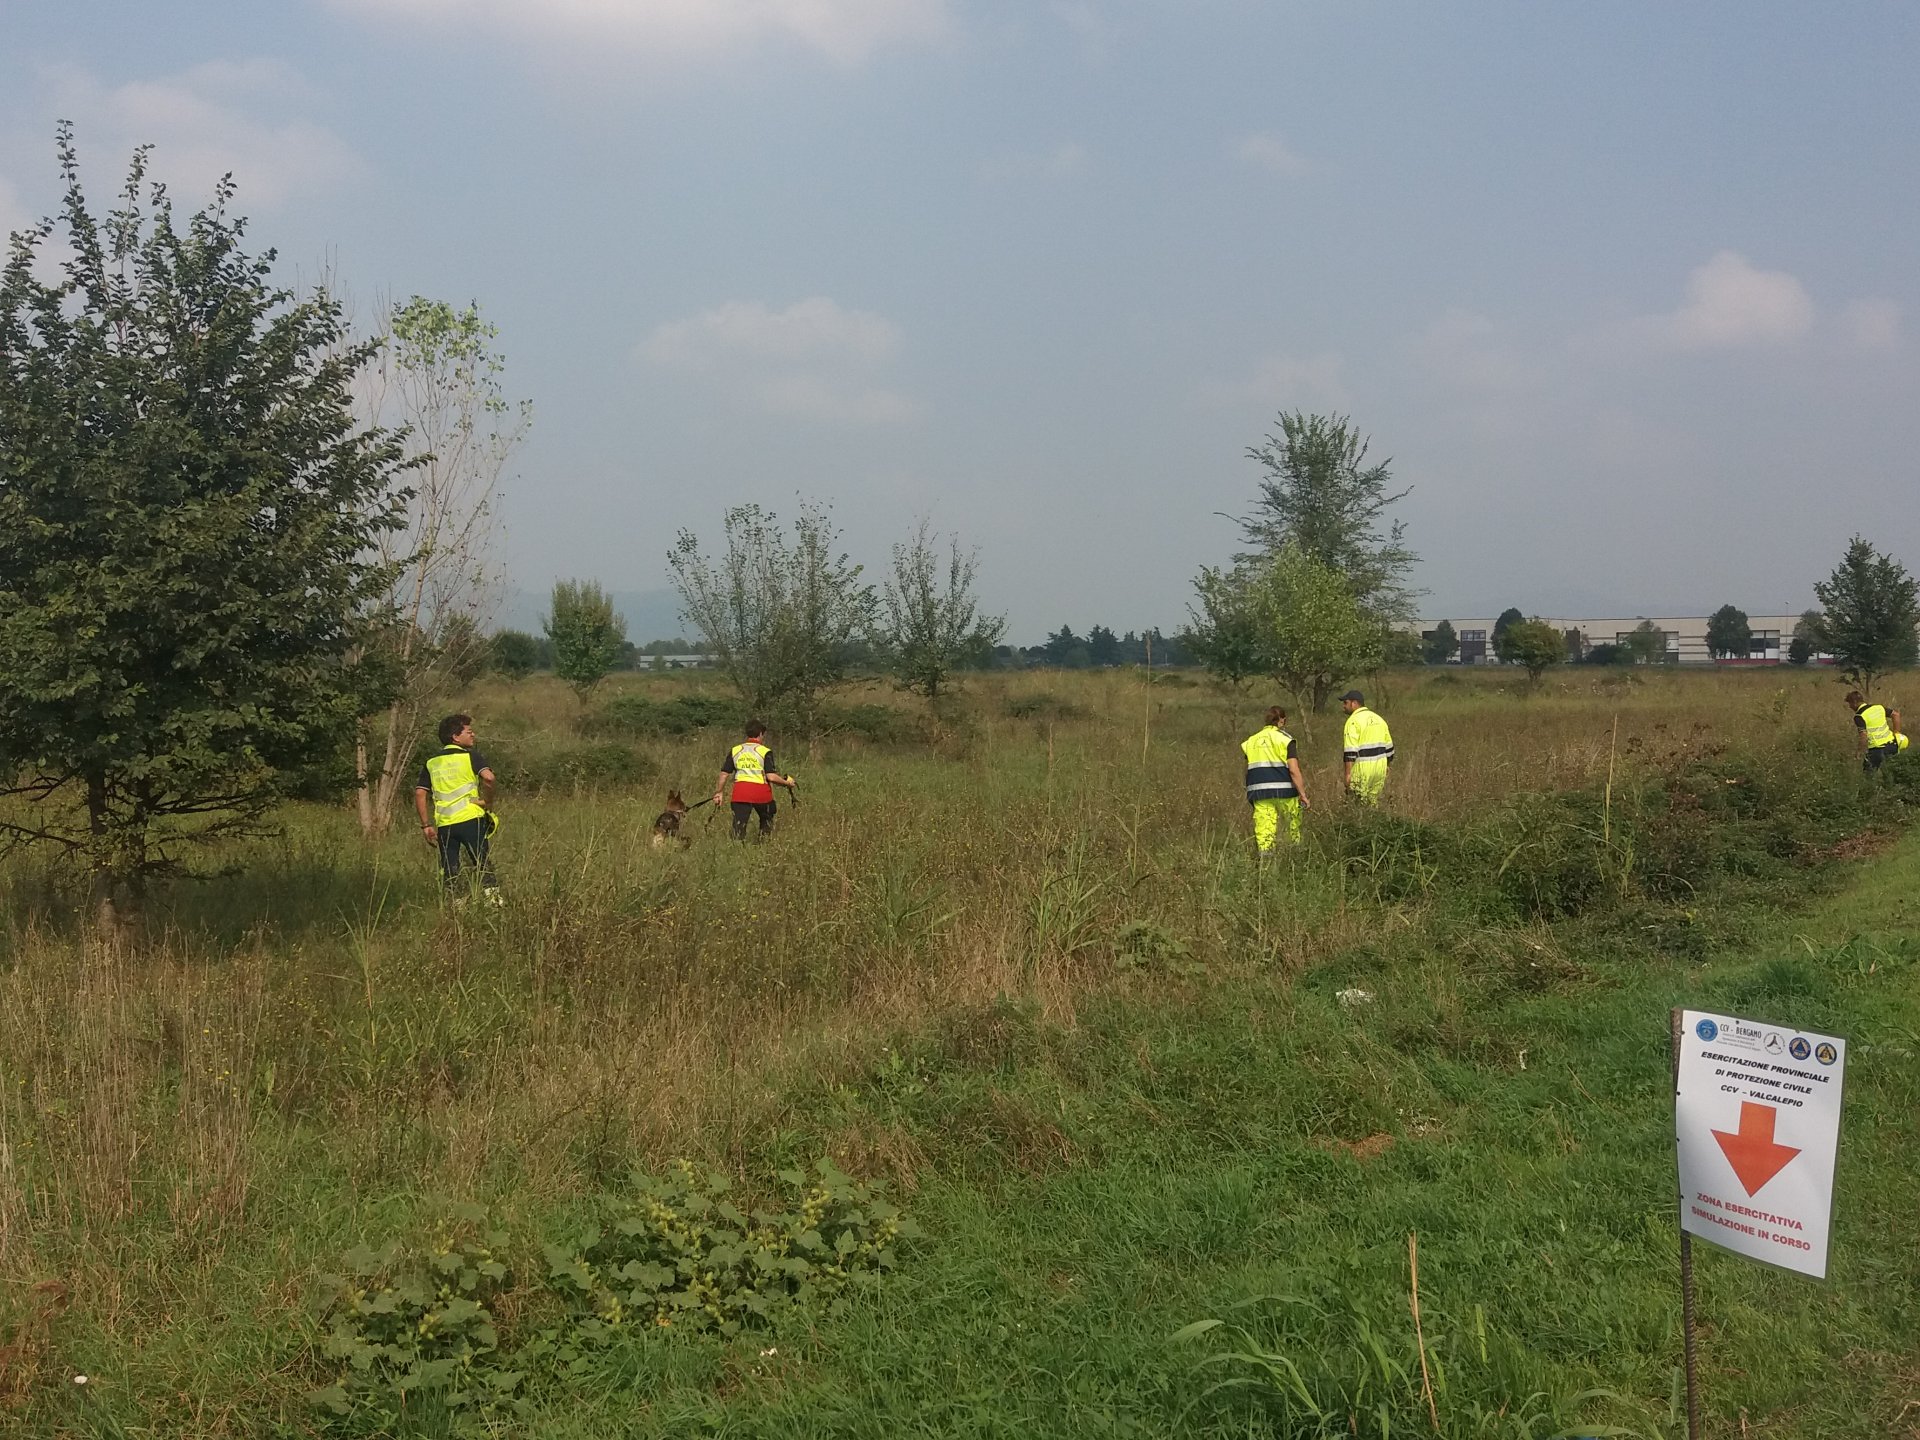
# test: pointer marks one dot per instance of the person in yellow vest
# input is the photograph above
(1879, 731)
(1367, 749)
(1274, 786)
(750, 763)
(454, 796)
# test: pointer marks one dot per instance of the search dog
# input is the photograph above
(666, 825)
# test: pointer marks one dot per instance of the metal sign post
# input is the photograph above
(1756, 1127)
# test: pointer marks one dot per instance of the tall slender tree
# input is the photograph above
(1320, 494)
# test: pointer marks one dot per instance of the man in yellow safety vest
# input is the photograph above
(1274, 787)
(1879, 731)
(454, 796)
(750, 763)
(1368, 749)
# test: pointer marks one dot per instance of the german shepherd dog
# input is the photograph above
(666, 825)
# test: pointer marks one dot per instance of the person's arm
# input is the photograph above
(421, 798)
(486, 789)
(1299, 783)
(719, 787)
(774, 777)
(1860, 724)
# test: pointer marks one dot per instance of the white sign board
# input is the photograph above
(1757, 1114)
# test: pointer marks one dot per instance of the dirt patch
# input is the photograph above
(1371, 1148)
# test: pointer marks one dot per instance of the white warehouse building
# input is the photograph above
(1686, 636)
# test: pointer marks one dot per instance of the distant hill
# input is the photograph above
(650, 614)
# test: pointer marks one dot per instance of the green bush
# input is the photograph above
(416, 1331)
(593, 764)
(637, 716)
(681, 1255)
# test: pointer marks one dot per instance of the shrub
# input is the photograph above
(1042, 705)
(630, 715)
(682, 1255)
(416, 1331)
(599, 764)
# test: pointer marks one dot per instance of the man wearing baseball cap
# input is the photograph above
(1368, 749)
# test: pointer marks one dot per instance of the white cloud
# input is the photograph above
(1731, 302)
(1284, 382)
(1872, 324)
(847, 31)
(812, 330)
(1272, 154)
(1062, 159)
(204, 122)
(814, 359)
(1466, 350)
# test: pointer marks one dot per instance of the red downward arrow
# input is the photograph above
(1752, 1153)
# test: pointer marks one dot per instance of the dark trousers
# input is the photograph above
(469, 836)
(1879, 755)
(743, 808)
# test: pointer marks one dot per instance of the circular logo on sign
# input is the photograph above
(1800, 1049)
(1774, 1043)
(1707, 1030)
(1825, 1053)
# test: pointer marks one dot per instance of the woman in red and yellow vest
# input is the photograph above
(750, 763)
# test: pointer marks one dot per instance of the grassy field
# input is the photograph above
(1017, 963)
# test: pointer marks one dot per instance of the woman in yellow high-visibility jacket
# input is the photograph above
(1274, 786)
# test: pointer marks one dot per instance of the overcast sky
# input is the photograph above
(1628, 292)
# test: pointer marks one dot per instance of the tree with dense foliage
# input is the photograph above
(1313, 632)
(1442, 644)
(588, 636)
(1534, 644)
(436, 380)
(1226, 631)
(1646, 644)
(932, 624)
(514, 654)
(190, 519)
(1321, 496)
(1103, 646)
(1509, 617)
(784, 620)
(1871, 613)
(1729, 636)
(1809, 637)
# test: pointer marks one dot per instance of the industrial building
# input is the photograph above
(1686, 636)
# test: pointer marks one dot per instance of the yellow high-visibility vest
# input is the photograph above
(456, 788)
(749, 763)
(1268, 777)
(1879, 732)
(1366, 737)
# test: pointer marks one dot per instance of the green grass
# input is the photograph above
(1026, 973)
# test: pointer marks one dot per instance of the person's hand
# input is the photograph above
(430, 834)
(716, 797)
(1305, 804)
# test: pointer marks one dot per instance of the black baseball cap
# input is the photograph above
(1354, 695)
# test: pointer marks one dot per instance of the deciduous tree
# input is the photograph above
(782, 618)
(1729, 636)
(1442, 644)
(587, 634)
(1317, 632)
(1321, 496)
(933, 624)
(1871, 611)
(1536, 645)
(437, 378)
(514, 654)
(190, 523)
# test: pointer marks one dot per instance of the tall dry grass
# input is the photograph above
(316, 1041)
